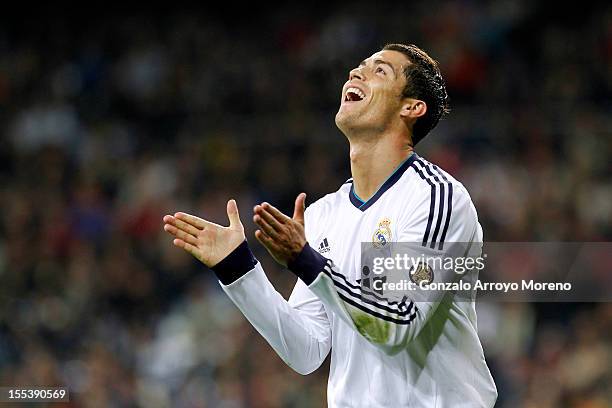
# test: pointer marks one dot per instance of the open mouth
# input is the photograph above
(353, 95)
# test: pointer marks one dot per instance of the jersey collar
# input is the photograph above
(393, 178)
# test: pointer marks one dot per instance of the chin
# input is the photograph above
(342, 121)
(349, 120)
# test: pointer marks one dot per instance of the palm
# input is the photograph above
(215, 242)
(208, 242)
(283, 237)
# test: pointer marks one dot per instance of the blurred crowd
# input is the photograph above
(110, 121)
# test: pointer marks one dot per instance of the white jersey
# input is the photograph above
(384, 353)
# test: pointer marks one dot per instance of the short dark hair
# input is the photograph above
(424, 82)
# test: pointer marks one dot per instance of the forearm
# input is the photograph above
(300, 339)
(387, 324)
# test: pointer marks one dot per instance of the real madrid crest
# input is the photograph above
(382, 235)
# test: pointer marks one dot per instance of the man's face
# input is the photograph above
(371, 98)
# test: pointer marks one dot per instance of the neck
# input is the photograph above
(374, 160)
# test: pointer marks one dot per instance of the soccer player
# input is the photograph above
(409, 353)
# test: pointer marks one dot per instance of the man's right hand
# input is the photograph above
(206, 241)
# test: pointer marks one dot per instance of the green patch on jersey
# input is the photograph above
(373, 329)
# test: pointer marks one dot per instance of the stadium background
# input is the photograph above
(110, 120)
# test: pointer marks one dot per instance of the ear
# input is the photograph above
(413, 109)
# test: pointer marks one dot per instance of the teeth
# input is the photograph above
(356, 91)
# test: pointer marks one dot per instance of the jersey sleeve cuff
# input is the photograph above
(308, 264)
(235, 265)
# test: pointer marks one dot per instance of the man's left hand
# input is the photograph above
(283, 237)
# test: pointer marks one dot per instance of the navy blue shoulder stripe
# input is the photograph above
(450, 207)
(432, 201)
(441, 188)
(441, 202)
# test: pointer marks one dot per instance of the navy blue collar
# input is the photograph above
(393, 178)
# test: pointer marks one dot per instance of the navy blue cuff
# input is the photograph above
(308, 264)
(235, 265)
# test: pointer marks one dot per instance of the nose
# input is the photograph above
(356, 73)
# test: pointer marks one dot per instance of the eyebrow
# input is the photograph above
(379, 61)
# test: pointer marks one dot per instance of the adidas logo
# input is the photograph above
(324, 246)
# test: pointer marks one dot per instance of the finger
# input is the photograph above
(266, 240)
(282, 218)
(300, 206)
(233, 214)
(181, 234)
(269, 218)
(188, 228)
(193, 220)
(263, 224)
(186, 246)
